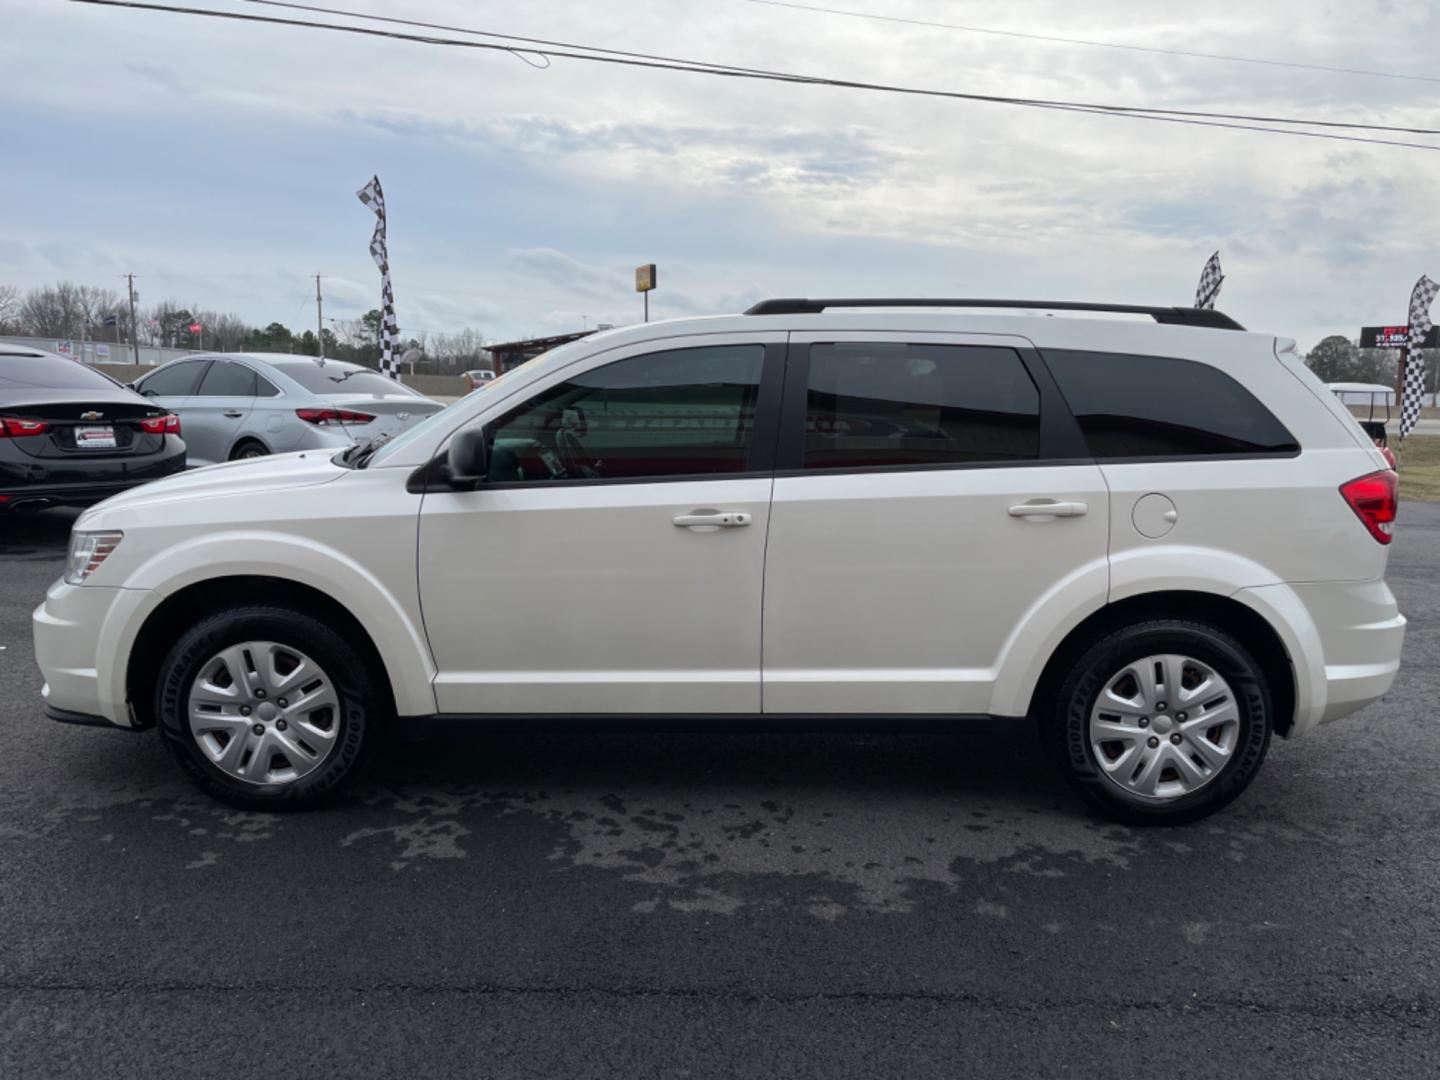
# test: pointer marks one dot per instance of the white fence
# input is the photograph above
(100, 352)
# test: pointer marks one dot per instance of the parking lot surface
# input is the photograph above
(717, 905)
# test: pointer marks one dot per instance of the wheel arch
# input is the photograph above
(1236, 618)
(181, 609)
(248, 438)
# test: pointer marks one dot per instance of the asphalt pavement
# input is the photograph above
(706, 905)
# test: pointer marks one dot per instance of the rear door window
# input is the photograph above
(893, 404)
(226, 379)
(1160, 406)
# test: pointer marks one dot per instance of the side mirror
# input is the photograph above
(465, 464)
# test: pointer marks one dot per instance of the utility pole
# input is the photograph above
(134, 327)
(319, 321)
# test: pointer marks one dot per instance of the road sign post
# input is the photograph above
(644, 284)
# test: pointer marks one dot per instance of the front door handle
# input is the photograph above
(1049, 508)
(724, 519)
(233, 414)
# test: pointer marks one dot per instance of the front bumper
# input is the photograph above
(78, 649)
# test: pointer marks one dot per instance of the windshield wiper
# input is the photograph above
(366, 450)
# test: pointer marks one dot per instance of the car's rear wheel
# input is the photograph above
(249, 448)
(1162, 723)
(267, 708)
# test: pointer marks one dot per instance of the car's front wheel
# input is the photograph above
(1161, 723)
(267, 708)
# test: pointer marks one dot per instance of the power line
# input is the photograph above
(295, 5)
(709, 65)
(1178, 116)
(1093, 43)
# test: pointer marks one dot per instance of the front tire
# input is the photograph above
(1161, 723)
(267, 708)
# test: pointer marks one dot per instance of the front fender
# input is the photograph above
(392, 623)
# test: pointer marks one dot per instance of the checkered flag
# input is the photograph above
(373, 197)
(1211, 278)
(1420, 324)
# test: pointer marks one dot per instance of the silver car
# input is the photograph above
(245, 405)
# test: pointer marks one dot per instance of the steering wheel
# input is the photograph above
(577, 460)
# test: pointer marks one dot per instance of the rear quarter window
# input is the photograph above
(1159, 406)
(337, 379)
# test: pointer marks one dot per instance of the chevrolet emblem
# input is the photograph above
(92, 415)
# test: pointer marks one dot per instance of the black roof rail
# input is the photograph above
(1180, 316)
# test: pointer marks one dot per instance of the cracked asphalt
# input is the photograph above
(698, 905)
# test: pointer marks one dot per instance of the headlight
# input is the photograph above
(87, 551)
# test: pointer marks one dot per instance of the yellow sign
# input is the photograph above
(645, 277)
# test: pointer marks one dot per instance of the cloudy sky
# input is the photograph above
(219, 161)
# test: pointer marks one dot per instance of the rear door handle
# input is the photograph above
(724, 519)
(1049, 508)
(233, 414)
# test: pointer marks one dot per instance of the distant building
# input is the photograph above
(513, 353)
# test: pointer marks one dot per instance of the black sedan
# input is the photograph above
(70, 435)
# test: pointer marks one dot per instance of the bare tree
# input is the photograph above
(224, 332)
(52, 311)
(9, 309)
(94, 304)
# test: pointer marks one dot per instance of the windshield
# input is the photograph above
(409, 434)
(337, 378)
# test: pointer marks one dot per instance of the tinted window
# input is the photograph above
(882, 404)
(225, 379)
(1158, 406)
(683, 412)
(341, 378)
(50, 372)
(174, 380)
(264, 388)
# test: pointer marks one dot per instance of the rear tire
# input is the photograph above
(249, 448)
(296, 697)
(1182, 729)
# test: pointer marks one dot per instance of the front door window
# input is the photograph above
(682, 412)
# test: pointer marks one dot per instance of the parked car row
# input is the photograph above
(69, 434)
(248, 405)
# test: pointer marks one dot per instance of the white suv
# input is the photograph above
(1153, 532)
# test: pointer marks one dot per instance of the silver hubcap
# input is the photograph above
(1164, 726)
(264, 713)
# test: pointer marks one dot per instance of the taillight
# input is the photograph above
(19, 429)
(1375, 498)
(333, 416)
(169, 424)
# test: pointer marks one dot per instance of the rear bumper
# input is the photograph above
(1361, 634)
(1344, 640)
(71, 482)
